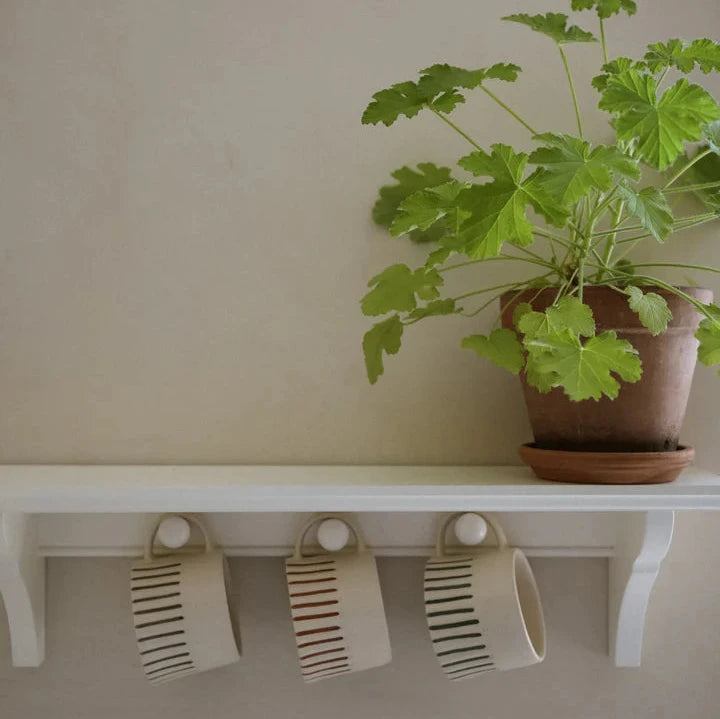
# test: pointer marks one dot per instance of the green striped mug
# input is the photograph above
(183, 624)
(482, 607)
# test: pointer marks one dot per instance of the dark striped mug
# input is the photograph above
(483, 607)
(337, 608)
(182, 619)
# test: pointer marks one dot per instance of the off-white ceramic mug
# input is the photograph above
(483, 607)
(337, 608)
(183, 623)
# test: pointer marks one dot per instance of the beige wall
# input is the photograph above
(184, 199)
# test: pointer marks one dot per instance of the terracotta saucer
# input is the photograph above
(606, 467)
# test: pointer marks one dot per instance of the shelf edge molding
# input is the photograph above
(264, 488)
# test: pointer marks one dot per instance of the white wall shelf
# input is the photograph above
(106, 510)
(154, 488)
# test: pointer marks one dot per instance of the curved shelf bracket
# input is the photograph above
(643, 540)
(22, 587)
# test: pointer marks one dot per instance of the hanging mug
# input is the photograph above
(182, 619)
(337, 608)
(483, 608)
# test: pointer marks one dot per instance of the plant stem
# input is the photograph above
(605, 202)
(528, 252)
(550, 235)
(494, 298)
(636, 238)
(508, 288)
(499, 258)
(539, 261)
(585, 248)
(685, 222)
(565, 284)
(602, 40)
(504, 307)
(572, 90)
(489, 289)
(581, 271)
(605, 233)
(686, 167)
(639, 238)
(693, 219)
(505, 107)
(693, 188)
(457, 129)
(703, 268)
(610, 242)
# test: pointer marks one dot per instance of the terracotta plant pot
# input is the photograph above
(647, 416)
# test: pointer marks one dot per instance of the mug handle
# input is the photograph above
(360, 545)
(150, 555)
(440, 548)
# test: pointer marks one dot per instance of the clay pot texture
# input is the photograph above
(647, 415)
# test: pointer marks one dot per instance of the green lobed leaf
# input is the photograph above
(569, 313)
(709, 335)
(396, 287)
(542, 381)
(438, 88)
(521, 309)
(497, 210)
(553, 25)
(658, 128)
(615, 67)
(403, 98)
(573, 170)
(586, 370)
(438, 257)
(442, 78)
(711, 134)
(665, 54)
(606, 8)
(703, 53)
(651, 308)
(387, 206)
(651, 209)
(435, 308)
(714, 311)
(502, 347)
(383, 337)
(424, 208)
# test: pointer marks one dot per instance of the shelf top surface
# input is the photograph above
(262, 488)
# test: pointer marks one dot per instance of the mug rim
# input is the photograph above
(527, 601)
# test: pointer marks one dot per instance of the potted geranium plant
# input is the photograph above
(605, 349)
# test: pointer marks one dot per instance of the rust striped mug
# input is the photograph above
(183, 624)
(337, 608)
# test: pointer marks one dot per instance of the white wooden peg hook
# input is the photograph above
(174, 532)
(333, 535)
(470, 529)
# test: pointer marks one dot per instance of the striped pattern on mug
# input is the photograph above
(314, 605)
(159, 622)
(455, 628)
